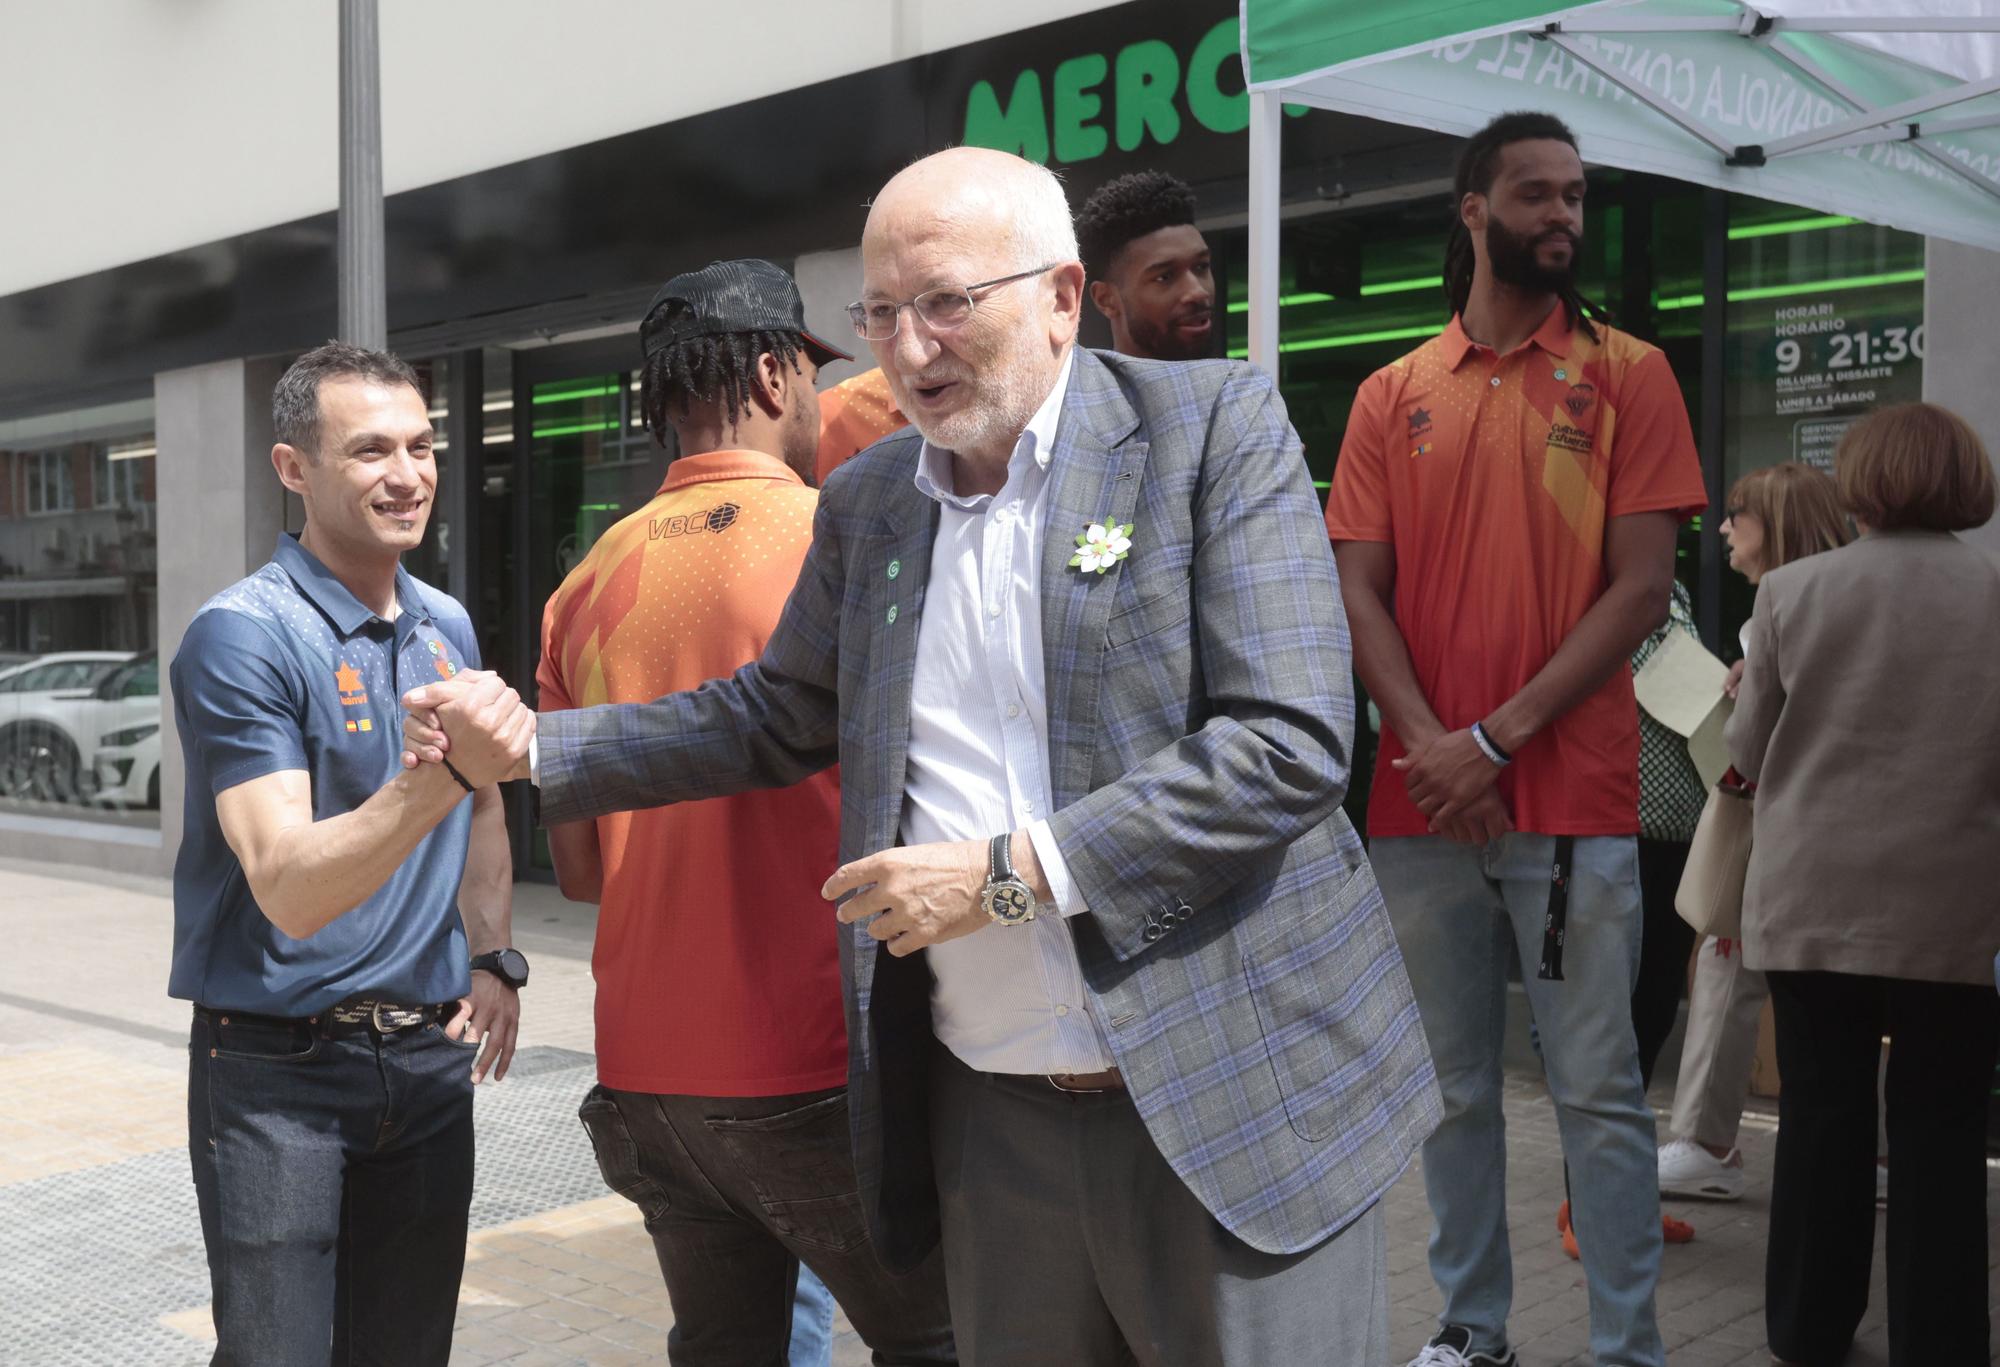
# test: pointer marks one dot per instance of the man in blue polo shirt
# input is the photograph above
(330, 908)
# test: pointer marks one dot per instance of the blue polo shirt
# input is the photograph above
(287, 670)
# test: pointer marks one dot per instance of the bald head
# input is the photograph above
(979, 199)
(964, 218)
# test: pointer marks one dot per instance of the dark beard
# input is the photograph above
(1513, 260)
(1165, 344)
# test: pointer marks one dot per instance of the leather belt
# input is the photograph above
(382, 1016)
(1110, 1080)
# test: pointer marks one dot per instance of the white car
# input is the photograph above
(127, 720)
(45, 708)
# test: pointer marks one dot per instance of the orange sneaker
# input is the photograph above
(1671, 1231)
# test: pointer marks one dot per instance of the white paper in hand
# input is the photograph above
(1681, 688)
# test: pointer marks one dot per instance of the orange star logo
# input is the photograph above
(348, 680)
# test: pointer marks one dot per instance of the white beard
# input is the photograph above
(998, 414)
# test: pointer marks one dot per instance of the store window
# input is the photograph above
(80, 721)
(1825, 322)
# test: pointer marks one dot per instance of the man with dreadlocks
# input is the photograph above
(721, 1104)
(1149, 267)
(1504, 513)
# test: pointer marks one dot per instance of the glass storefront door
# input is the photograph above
(581, 461)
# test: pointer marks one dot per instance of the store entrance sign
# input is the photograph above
(1810, 363)
(1128, 98)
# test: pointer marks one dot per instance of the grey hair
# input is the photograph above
(295, 416)
(1043, 230)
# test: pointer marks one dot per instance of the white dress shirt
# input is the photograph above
(1006, 999)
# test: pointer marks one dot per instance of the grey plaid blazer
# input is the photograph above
(1200, 718)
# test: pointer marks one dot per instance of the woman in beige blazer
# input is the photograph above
(1869, 716)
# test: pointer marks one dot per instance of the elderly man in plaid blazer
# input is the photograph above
(1128, 1026)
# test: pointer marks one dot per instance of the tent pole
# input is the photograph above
(1267, 116)
(1813, 70)
(1948, 163)
(1639, 91)
(1714, 409)
(1895, 113)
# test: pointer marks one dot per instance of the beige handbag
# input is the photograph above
(1711, 893)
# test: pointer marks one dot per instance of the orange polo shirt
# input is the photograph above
(854, 415)
(716, 959)
(1494, 477)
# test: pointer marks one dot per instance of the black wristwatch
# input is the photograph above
(1005, 897)
(510, 966)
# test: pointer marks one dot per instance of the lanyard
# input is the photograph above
(1555, 926)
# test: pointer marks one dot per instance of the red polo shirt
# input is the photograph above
(716, 958)
(1494, 477)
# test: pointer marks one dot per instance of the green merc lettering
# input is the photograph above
(1091, 102)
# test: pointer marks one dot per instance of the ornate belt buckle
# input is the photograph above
(387, 1017)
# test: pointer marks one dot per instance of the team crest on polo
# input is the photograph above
(1578, 435)
(348, 680)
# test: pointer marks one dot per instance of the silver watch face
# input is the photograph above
(1010, 902)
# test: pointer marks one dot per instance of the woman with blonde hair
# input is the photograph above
(1869, 716)
(1773, 516)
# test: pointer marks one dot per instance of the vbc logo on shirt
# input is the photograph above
(720, 518)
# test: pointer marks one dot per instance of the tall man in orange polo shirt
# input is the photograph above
(1504, 513)
(721, 1105)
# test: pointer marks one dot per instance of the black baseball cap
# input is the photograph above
(729, 296)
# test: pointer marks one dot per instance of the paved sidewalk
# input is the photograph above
(100, 1246)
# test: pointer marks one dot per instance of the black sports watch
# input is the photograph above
(510, 966)
(1005, 897)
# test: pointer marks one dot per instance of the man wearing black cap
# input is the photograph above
(721, 1104)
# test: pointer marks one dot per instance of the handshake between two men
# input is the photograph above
(478, 718)
(916, 895)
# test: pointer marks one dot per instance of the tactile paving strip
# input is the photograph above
(91, 1260)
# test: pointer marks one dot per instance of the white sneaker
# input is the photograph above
(1452, 1347)
(1688, 1169)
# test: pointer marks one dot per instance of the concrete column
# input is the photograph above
(221, 509)
(828, 283)
(1961, 300)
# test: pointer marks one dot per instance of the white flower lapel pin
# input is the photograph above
(1099, 547)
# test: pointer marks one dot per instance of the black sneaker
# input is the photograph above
(1453, 1348)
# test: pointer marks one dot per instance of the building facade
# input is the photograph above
(547, 170)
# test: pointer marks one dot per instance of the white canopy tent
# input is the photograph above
(1886, 111)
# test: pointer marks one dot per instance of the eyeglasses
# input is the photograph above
(942, 309)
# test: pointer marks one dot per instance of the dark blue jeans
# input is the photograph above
(737, 1193)
(334, 1175)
